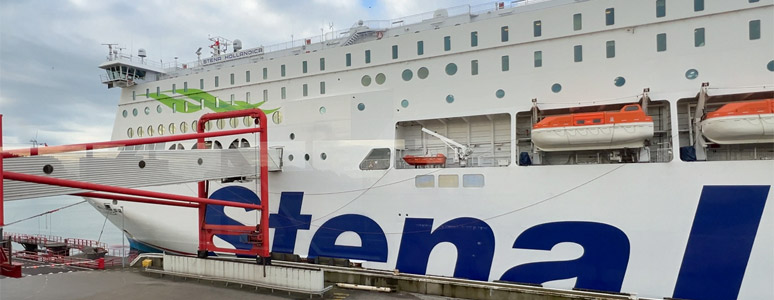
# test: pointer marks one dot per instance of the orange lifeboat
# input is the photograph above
(438, 159)
(745, 122)
(627, 128)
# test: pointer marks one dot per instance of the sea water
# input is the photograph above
(79, 221)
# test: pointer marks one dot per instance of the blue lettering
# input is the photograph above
(720, 243)
(473, 239)
(216, 215)
(373, 245)
(287, 221)
(602, 266)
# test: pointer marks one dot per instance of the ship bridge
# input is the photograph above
(125, 70)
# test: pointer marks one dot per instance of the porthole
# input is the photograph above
(130, 132)
(172, 128)
(770, 66)
(500, 94)
(194, 126)
(290, 157)
(158, 108)
(380, 78)
(161, 129)
(322, 110)
(360, 106)
(619, 81)
(220, 123)
(407, 75)
(125, 113)
(208, 126)
(139, 131)
(234, 122)
(276, 117)
(134, 112)
(292, 136)
(404, 103)
(246, 121)
(306, 157)
(449, 98)
(423, 72)
(366, 80)
(183, 127)
(556, 88)
(150, 130)
(451, 69)
(323, 156)
(147, 110)
(691, 74)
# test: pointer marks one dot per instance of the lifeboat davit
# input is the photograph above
(438, 159)
(627, 128)
(747, 122)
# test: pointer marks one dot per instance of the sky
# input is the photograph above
(50, 88)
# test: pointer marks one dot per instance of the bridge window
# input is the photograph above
(660, 8)
(610, 16)
(474, 39)
(377, 159)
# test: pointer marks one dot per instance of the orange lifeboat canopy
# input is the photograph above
(631, 113)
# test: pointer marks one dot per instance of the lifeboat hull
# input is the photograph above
(593, 137)
(741, 129)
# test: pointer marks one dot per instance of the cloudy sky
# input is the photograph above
(50, 50)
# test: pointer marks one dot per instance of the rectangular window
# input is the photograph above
(265, 73)
(505, 64)
(448, 181)
(661, 42)
(474, 39)
(424, 181)
(322, 63)
(698, 37)
(610, 49)
(753, 1)
(394, 51)
(755, 29)
(147, 93)
(447, 43)
(134, 95)
(504, 34)
(660, 8)
(420, 47)
(158, 91)
(305, 88)
(247, 97)
(368, 56)
(201, 84)
(698, 5)
(538, 59)
(174, 87)
(577, 22)
(537, 28)
(322, 87)
(578, 53)
(232, 79)
(348, 59)
(473, 180)
(283, 93)
(217, 81)
(265, 95)
(230, 102)
(303, 67)
(282, 71)
(185, 87)
(247, 76)
(474, 67)
(609, 16)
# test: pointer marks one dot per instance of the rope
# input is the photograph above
(103, 228)
(43, 214)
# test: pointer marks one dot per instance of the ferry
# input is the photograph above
(600, 145)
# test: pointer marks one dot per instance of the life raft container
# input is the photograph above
(627, 128)
(747, 122)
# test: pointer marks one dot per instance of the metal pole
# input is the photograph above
(123, 237)
(2, 213)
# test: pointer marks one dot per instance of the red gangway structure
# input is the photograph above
(258, 236)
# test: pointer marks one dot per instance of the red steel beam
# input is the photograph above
(135, 199)
(121, 190)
